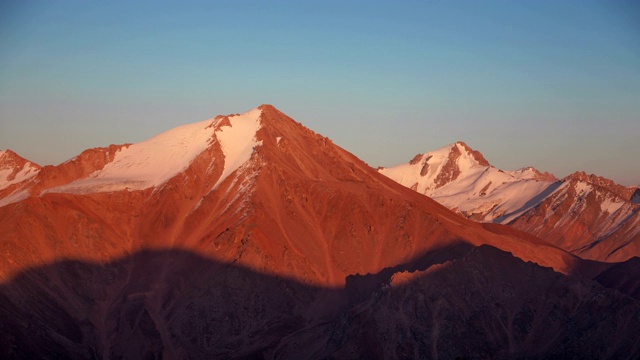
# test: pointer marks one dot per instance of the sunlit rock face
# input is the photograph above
(250, 236)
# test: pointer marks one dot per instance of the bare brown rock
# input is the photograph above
(425, 166)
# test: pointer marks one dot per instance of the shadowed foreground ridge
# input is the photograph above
(467, 306)
(290, 248)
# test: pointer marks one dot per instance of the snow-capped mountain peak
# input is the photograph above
(14, 169)
(435, 169)
(462, 179)
(153, 162)
(579, 213)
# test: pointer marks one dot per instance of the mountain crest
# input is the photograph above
(624, 192)
(15, 169)
(532, 173)
(475, 154)
(586, 214)
(463, 180)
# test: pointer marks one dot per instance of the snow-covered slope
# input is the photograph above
(14, 169)
(586, 214)
(153, 162)
(15, 173)
(238, 141)
(588, 218)
(462, 179)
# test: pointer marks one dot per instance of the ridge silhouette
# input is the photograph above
(457, 301)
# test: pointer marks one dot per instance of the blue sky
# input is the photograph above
(552, 84)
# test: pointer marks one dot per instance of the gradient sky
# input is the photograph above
(551, 84)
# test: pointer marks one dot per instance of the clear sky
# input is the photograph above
(551, 84)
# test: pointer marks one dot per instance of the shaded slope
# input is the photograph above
(464, 305)
(589, 219)
(267, 249)
(472, 308)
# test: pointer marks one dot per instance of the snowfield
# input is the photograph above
(153, 162)
(497, 195)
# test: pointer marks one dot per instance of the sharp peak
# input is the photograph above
(461, 143)
(583, 176)
(265, 109)
(475, 154)
(270, 111)
(9, 152)
(539, 175)
(531, 168)
(12, 155)
(591, 179)
(626, 192)
(268, 107)
(453, 150)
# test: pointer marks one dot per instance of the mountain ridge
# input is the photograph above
(281, 245)
(525, 198)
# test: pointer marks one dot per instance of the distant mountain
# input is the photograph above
(587, 215)
(14, 170)
(250, 236)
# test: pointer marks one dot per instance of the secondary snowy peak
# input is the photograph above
(586, 214)
(15, 169)
(624, 192)
(586, 219)
(153, 162)
(532, 173)
(462, 179)
(435, 169)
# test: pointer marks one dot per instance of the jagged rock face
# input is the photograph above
(14, 168)
(249, 236)
(585, 214)
(624, 192)
(476, 155)
(587, 220)
(14, 172)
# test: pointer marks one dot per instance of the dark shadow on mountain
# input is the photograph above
(360, 287)
(477, 303)
(624, 277)
(606, 237)
(531, 202)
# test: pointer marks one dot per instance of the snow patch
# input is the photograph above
(12, 175)
(14, 197)
(238, 141)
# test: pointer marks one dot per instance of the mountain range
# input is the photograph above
(587, 215)
(251, 236)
